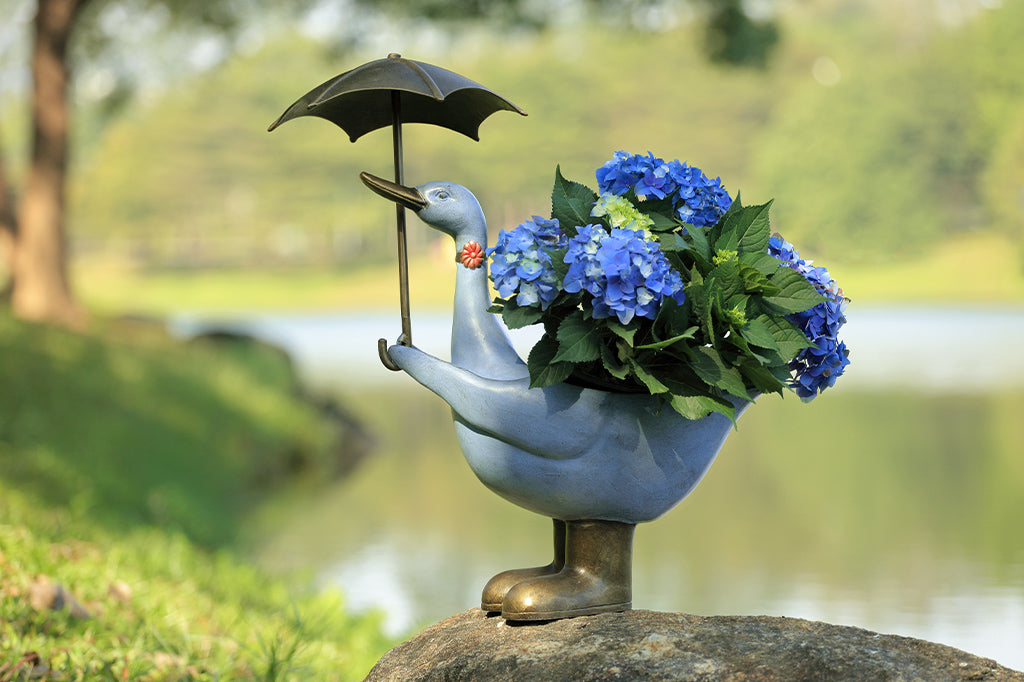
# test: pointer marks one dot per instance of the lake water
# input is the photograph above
(894, 502)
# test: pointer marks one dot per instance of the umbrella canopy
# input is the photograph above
(359, 101)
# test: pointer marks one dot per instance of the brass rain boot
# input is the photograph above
(597, 577)
(494, 591)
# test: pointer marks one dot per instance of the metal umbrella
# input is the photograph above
(391, 91)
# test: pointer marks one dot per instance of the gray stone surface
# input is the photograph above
(649, 645)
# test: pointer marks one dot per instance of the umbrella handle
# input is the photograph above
(382, 351)
(403, 259)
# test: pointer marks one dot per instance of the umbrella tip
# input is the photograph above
(394, 55)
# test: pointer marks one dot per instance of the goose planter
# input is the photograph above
(597, 462)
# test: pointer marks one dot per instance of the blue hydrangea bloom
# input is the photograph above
(626, 275)
(695, 199)
(815, 368)
(622, 172)
(698, 200)
(521, 262)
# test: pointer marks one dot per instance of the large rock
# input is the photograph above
(648, 645)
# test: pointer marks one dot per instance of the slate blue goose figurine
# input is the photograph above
(595, 462)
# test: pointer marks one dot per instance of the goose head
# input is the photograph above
(479, 341)
(445, 206)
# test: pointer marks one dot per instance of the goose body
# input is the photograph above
(567, 452)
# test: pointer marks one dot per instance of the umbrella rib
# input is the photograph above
(435, 91)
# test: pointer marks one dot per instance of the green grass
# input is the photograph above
(132, 427)
(186, 613)
(128, 465)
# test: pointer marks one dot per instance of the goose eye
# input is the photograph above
(442, 194)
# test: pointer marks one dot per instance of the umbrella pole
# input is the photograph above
(403, 260)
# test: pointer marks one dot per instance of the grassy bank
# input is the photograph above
(128, 464)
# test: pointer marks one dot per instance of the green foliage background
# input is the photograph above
(919, 140)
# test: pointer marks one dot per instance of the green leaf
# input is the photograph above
(673, 316)
(612, 363)
(795, 295)
(716, 231)
(740, 344)
(707, 321)
(726, 280)
(754, 237)
(696, 407)
(763, 262)
(625, 332)
(662, 223)
(703, 314)
(757, 332)
(698, 237)
(673, 241)
(755, 282)
(789, 340)
(761, 377)
(571, 203)
(658, 345)
(709, 366)
(558, 263)
(773, 361)
(543, 371)
(658, 210)
(652, 205)
(518, 316)
(700, 299)
(647, 378)
(745, 229)
(578, 341)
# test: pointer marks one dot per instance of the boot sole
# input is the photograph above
(570, 613)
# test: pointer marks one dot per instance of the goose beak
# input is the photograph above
(409, 197)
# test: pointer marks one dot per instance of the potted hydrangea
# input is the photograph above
(660, 282)
(666, 307)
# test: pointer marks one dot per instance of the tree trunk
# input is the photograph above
(41, 289)
(8, 229)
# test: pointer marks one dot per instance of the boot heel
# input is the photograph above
(498, 586)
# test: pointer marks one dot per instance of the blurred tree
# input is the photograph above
(992, 52)
(32, 224)
(1003, 180)
(900, 148)
(7, 219)
(34, 229)
(732, 36)
(33, 238)
(906, 182)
